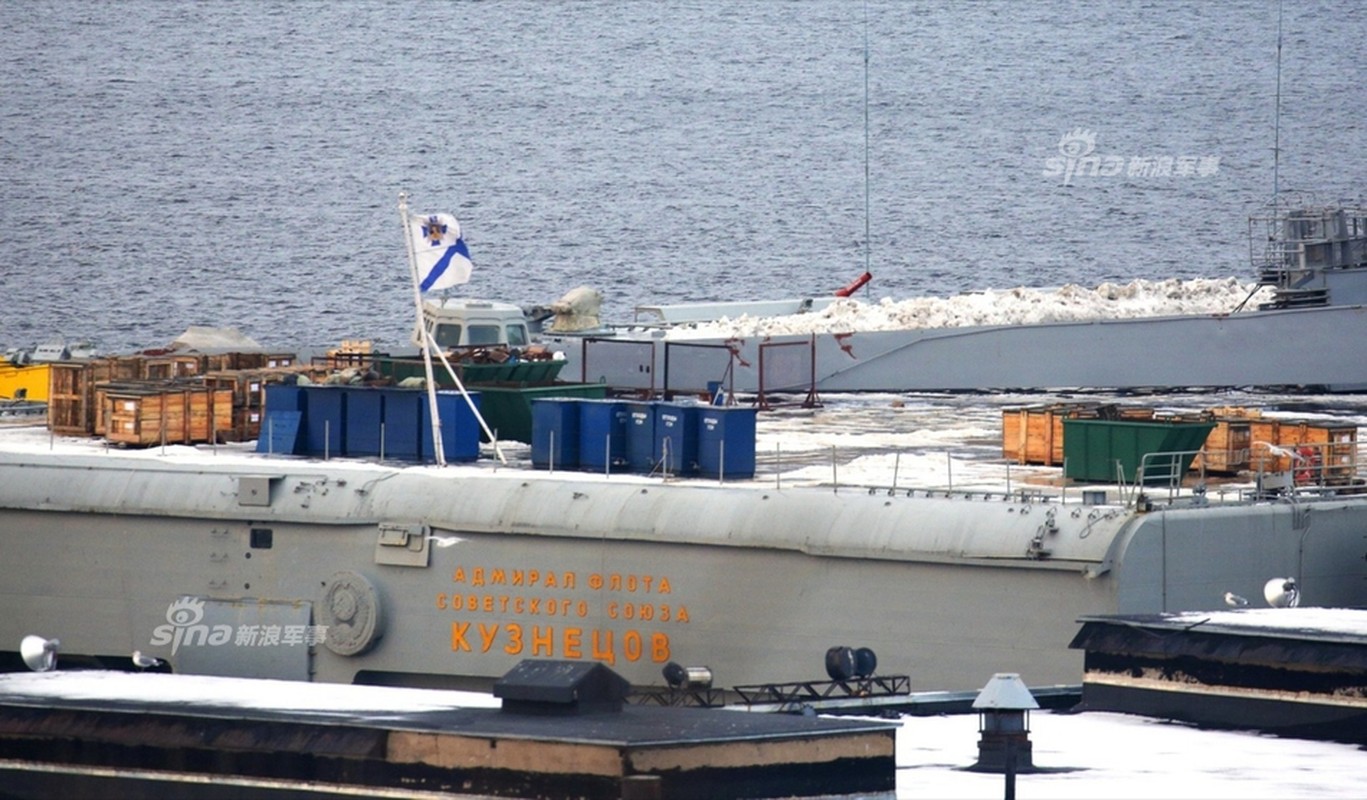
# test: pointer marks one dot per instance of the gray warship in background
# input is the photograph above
(1313, 258)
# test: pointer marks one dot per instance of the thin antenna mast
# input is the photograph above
(1277, 123)
(866, 137)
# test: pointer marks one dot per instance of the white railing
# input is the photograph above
(1315, 468)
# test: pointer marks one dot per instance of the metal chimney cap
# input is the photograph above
(1005, 692)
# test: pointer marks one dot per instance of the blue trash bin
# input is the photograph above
(555, 433)
(403, 418)
(459, 428)
(602, 434)
(364, 416)
(325, 422)
(726, 442)
(282, 423)
(641, 437)
(676, 438)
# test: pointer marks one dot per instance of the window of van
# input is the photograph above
(447, 336)
(484, 335)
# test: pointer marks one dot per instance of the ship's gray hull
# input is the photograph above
(1292, 347)
(754, 583)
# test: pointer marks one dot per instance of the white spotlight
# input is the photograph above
(1282, 593)
(38, 653)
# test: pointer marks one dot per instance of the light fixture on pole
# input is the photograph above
(1003, 708)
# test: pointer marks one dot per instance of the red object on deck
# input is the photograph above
(854, 285)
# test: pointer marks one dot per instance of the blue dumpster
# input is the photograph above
(555, 433)
(364, 416)
(726, 442)
(286, 397)
(602, 434)
(403, 423)
(676, 438)
(282, 424)
(325, 422)
(641, 437)
(459, 428)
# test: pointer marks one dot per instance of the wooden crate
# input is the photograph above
(246, 424)
(70, 399)
(72, 409)
(1329, 449)
(279, 360)
(1135, 413)
(245, 361)
(1034, 434)
(1262, 432)
(1236, 412)
(120, 368)
(145, 415)
(103, 388)
(168, 367)
(248, 386)
(1227, 447)
(255, 361)
(216, 362)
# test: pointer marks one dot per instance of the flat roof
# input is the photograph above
(392, 708)
(1337, 625)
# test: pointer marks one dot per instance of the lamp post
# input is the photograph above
(1003, 707)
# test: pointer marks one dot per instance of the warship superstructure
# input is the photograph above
(1312, 259)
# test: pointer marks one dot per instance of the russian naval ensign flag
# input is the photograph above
(441, 255)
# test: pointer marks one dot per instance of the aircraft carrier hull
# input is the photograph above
(338, 571)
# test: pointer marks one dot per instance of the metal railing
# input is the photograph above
(1174, 476)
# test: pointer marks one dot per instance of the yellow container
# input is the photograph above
(29, 382)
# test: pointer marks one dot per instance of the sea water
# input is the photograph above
(239, 163)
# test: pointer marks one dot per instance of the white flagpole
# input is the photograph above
(498, 451)
(427, 344)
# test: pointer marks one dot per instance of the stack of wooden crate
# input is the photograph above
(151, 412)
(146, 398)
(1327, 450)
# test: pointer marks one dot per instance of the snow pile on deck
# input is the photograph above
(1019, 306)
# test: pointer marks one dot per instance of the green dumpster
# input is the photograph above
(1112, 450)
(508, 409)
(520, 372)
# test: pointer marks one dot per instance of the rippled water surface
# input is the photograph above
(238, 163)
